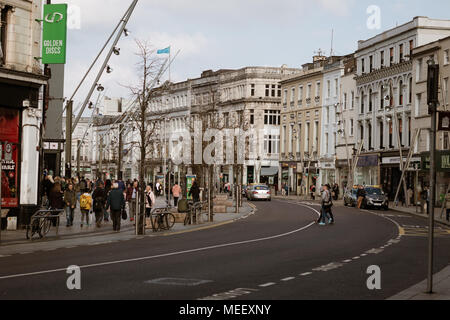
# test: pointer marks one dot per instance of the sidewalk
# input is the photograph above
(441, 285)
(20, 245)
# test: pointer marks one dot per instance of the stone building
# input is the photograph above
(384, 99)
(21, 91)
(439, 52)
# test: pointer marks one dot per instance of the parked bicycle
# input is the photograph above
(162, 219)
(41, 222)
(195, 212)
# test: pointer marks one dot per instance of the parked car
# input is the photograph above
(259, 192)
(376, 198)
(350, 198)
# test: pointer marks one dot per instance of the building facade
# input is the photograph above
(439, 52)
(384, 100)
(21, 106)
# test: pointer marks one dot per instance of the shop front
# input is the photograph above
(327, 172)
(289, 176)
(342, 174)
(442, 172)
(269, 176)
(391, 175)
(366, 172)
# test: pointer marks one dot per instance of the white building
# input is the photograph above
(384, 61)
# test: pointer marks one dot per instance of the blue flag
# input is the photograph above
(161, 51)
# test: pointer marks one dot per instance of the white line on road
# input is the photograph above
(288, 279)
(347, 261)
(167, 254)
(306, 274)
(267, 284)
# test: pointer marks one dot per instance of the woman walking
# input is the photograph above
(56, 201)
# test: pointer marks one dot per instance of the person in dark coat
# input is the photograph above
(195, 192)
(115, 202)
(56, 200)
(99, 198)
(70, 198)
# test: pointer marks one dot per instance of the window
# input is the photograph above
(381, 97)
(283, 139)
(328, 89)
(410, 91)
(417, 106)
(400, 129)
(291, 140)
(400, 93)
(445, 89)
(411, 47)
(336, 87)
(226, 119)
(391, 56)
(419, 69)
(381, 135)
(308, 91)
(352, 127)
(308, 126)
(271, 144)
(3, 33)
(292, 96)
(353, 100)
(274, 90)
(369, 129)
(279, 91)
(252, 116)
(317, 89)
(267, 90)
(326, 143)
(391, 135)
(446, 141)
(382, 59)
(299, 136)
(252, 90)
(345, 101)
(362, 102)
(300, 95)
(370, 100)
(272, 117)
(362, 65)
(400, 53)
(370, 63)
(285, 97)
(446, 57)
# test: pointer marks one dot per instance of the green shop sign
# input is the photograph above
(54, 34)
(442, 161)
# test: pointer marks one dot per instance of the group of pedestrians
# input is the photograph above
(326, 212)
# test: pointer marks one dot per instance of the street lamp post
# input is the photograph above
(432, 100)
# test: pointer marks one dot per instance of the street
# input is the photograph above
(277, 253)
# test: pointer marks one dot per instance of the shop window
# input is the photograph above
(3, 33)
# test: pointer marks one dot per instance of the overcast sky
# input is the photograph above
(215, 34)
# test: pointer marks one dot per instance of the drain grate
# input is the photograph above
(178, 282)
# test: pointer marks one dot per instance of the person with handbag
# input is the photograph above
(326, 205)
(115, 202)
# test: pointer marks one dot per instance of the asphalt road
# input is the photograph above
(277, 253)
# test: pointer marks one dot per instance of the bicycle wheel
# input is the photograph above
(32, 228)
(45, 227)
(187, 219)
(170, 220)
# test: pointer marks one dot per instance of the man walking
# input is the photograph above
(195, 192)
(99, 196)
(115, 202)
(326, 205)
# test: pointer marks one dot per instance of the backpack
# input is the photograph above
(84, 202)
(98, 204)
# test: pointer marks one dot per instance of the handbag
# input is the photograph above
(124, 214)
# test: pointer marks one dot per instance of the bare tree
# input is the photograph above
(149, 70)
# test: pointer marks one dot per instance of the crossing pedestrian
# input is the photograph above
(361, 195)
(326, 204)
(116, 203)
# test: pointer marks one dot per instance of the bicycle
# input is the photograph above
(162, 219)
(195, 212)
(41, 222)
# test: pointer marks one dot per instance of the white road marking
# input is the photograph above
(363, 255)
(288, 279)
(355, 258)
(267, 284)
(347, 261)
(306, 274)
(169, 254)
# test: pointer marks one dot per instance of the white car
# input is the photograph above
(259, 192)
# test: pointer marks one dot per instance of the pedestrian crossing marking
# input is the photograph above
(422, 231)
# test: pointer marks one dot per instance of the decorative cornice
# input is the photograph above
(384, 73)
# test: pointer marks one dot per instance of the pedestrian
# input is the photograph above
(56, 200)
(326, 204)
(410, 193)
(132, 194)
(47, 187)
(158, 188)
(286, 189)
(176, 191)
(108, 187)
(70, 199)
(149, 200)
(116, 203)
(195, 192)
(85, 206)
(99, 197)
(361, 195)
(335, 192)
(312, 191)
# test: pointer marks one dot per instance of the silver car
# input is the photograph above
(259, 192)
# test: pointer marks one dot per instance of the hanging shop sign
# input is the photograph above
(54, 34)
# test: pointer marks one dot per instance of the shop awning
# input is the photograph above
(269, 171)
